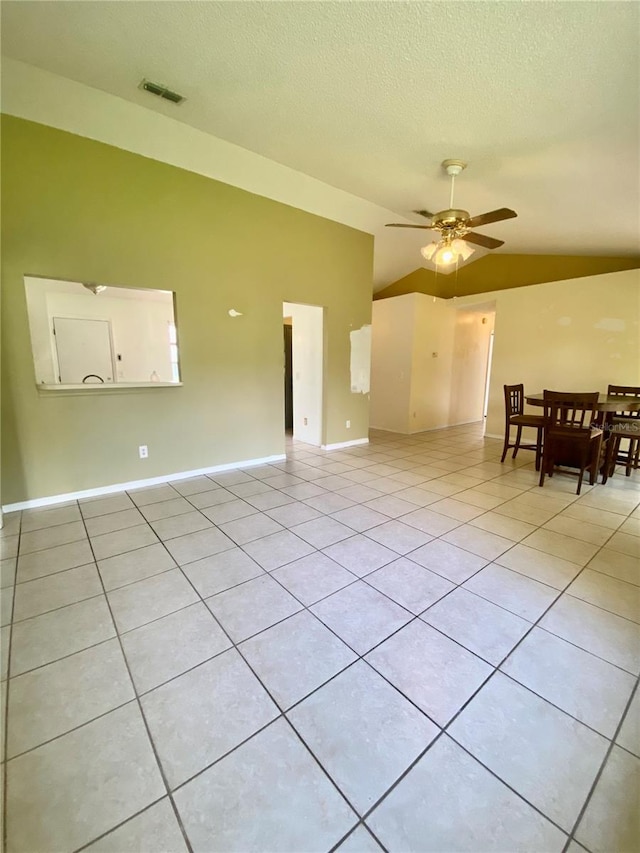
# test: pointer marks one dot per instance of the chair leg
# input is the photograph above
(516, 446)
(539, 449)
(611, 454)
(506, 443)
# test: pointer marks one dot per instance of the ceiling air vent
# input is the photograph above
(161, 92)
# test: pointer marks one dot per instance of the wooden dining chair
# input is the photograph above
(514, 416)
(570, 439)
(624, 425)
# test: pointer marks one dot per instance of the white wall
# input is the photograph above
(140, 327)
(308, 370)
(577, 335)
(431, 363)
(472, 334)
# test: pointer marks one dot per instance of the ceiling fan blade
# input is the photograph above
(398, 225)
(483, 240)
(424, 213)
(492, 216)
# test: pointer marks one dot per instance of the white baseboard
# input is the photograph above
(51, 500)
(341, 444)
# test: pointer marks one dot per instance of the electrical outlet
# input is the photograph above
(304, 421)
(143, 451)
(348, 424)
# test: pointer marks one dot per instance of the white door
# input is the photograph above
(84, 350)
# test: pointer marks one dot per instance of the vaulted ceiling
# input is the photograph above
(542, 99)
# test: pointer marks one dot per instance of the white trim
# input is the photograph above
(340, 444)
(138, 484)
(494, 435)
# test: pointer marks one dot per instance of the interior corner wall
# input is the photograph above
(411, 362)
(392, 330)
(471, 342)
(431, 364)
(578, 335)
(77, 209)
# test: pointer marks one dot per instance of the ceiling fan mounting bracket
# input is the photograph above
(453, 167)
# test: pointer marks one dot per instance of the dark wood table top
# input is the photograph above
(606, 402)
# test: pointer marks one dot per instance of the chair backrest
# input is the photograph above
(625, 391)
(513, 400)
(570, 410)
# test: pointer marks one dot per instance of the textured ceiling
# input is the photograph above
(541, 98)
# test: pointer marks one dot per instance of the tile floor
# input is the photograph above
(403, 646)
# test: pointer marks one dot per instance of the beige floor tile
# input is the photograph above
(153, 654)
(156, 829)
(295, 657)
(611, 594)
(598, 631)
(433, 523)
(586, 531)
(91, 507)
(560, 545)
(312, 578)
(363, 732)
(293, 811)
(49, 537)
(69, 791)
(515, 592)
(221, 571)
(612, 818)
(546, 756)
(135, 566)
(360, 555)
(166, 509)
(194, 546)
(251, 607)
(120, 541)
(54, 635)
(361, 616)
(199, 716)
(616, 565)
(46, 562)
(626, 543)
(54, 591)
(113, 521)
(554, 571)
(149, 599)
(502, 525)
(180, 525)
(629, 734)
(484, 628)
(56, 698)
(455, 564)
(585, 686)
(409, 585)
(448, 801)
(434, 672)
(36, 519)
(480, 542)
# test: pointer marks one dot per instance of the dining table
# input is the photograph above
(608, 404)
(606, 407)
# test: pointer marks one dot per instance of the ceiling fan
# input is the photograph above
(455, 225)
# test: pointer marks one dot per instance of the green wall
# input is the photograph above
(77, 209)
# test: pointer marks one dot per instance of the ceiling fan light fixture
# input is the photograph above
(464, 250)
(427, 252)
(445, 255)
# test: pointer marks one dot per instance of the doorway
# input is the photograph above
(83, 350)
(288, 375)
(304, 371)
